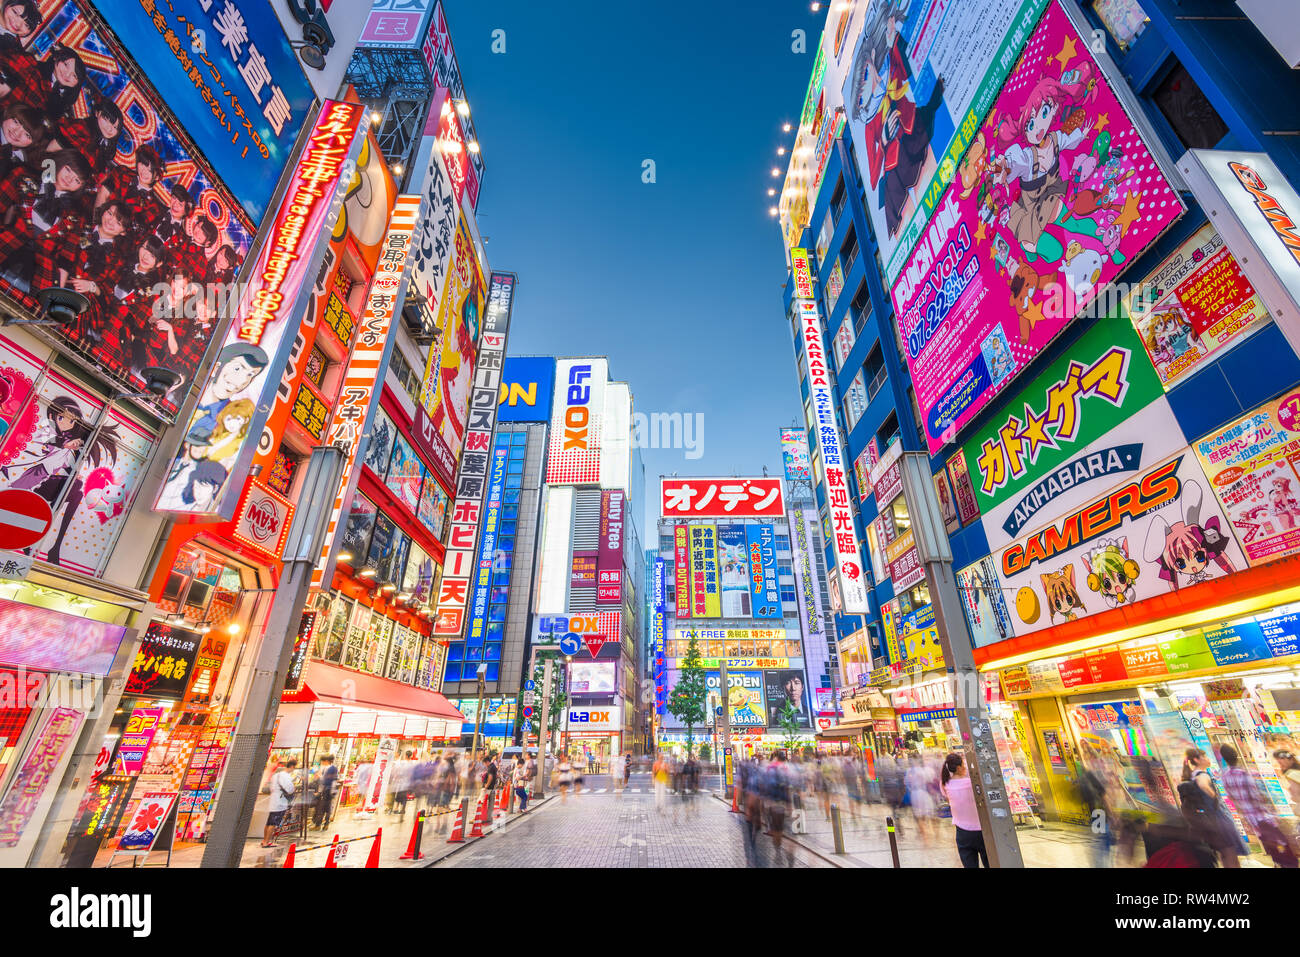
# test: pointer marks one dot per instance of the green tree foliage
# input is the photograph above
(689, 696)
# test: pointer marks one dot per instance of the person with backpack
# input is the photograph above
(1204, 810)
(283, 788)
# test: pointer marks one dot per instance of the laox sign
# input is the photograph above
(578, 414)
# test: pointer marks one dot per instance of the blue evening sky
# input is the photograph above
(679, 281)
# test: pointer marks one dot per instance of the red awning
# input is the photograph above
(325, 682)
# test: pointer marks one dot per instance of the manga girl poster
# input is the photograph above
(1055, 197)
(1254, 467)
(58, 442)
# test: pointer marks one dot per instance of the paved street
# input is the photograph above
(604, 828)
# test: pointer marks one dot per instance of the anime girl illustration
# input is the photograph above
(1062, 595)
(1282, 502)
(232, 427)
(1185, 550)
(1171, 336)
(53, 455)
(897, 130)
(997, 355)
(1111, 573)
(1032, 145)
(456, 373)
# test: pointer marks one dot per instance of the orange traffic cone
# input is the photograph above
(334, 846)
(458, 829)
(735, 798)
(503, 799)
(480, 815)
(413, 852)
(288, 858)
(373, 859)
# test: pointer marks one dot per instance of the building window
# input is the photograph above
(844, 340)
(406, 376)
(888, 433)
(874, 371)
(861, 308)
(1191, 115)
(855, 401)
(838, 198)
(849, 251)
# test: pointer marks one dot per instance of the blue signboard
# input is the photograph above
(1282, 632)
(527, 384)
(765, 595)
(1233, 644)
(225, 68)
(571, 644)
(487, 546)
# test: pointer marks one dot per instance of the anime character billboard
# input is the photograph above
(1055, 197)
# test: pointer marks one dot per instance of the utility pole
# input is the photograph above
(543, 730)
(726, 724)
(935, 553)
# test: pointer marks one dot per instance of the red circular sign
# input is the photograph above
(25, 517)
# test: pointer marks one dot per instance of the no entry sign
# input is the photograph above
(25, 517)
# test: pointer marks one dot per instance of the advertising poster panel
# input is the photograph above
(1094, 415)
(658, 635)
(744, 697)
(1157, 532)
(721, 498)
(1056, 197)
(967, 507)
(1195, 304)
(794, 453)
(576, 420)
(682, 570)
(1254, 468)
(947, 504)
(782, 688)
(225, 426)
(802, 523)
(145, 208)
(733, 565)
(765, 595)
(609, 585)
(923, 75)
(487, 546)
(229, 74)
(983, 603)
(847, 582)
(162, 665)
(449, 375)
(918, 637)
(705, 591)
(434, 240)
(527, 388)
(584, 569)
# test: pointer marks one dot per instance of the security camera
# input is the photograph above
(159, 381)
(61, 306)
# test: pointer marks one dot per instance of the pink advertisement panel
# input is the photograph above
(1056, 196)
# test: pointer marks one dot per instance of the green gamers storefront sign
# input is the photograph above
(1091, 416)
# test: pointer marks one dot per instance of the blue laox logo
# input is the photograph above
(1100, 464)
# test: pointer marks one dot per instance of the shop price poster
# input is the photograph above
(1196, 303)
(1055, 197)
(1254, 467)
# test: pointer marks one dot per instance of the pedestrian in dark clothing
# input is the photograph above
(324, 792)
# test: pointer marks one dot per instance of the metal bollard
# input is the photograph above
(893, 840)
(837, 828)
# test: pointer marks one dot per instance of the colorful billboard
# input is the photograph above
(983, 603)
(794, 453)
(764, 594)
(705, 587)
(733, 571)
(432, 245)
(1150, 536)
(471, 482)
(609, 585)
(682, 570)
(1095, 414)
(162, 665)
(355, 409)
(745, 707)
(847, 582)
(1057, 195)
(658, 637)
(225, 426)
(106, 198)
(1254, 468)
(449, 375)
(782, 688)
(802, 524)
(576, 419)
(487, 549)
(527, 389)
(1193, 305)
(923, 74)
(721, 498)
(240, 93)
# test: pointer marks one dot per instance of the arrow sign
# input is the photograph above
(25, 517)
(627, 840)
(530, 685)
(570, 644)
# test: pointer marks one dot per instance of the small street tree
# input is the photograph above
(559, 700)
(789, 720)
(689, 696)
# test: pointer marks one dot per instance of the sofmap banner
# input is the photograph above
(222, 434)
(1254, 468)
(1057, 195)
(1094, 415)
(923, 74)
(765, 595)
(1195, 304)
(1148, 536)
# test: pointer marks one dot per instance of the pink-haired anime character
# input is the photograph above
(1190, 550)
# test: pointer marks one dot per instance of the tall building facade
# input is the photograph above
(1107, 442)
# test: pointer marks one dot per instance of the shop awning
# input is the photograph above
(844, 730)
(327, 683)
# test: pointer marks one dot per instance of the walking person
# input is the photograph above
(1203, 808)
(1288, 769)
(954, 783)
(564, 775)
(520, 780)
(1252, 803)
(778, 795)
(616, 773)
(283, 788)
(627, 768)
(325, 781)
(659, 774)
(577, 778)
